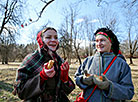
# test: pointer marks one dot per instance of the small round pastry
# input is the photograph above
(86, 73)
(50, 64)
(99, 78)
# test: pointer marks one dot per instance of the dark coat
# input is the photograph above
(30, 87)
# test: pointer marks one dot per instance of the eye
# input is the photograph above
(96, 41)
(47, 37)
(102, 40)
(55, 37)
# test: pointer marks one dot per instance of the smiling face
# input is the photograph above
(50, 38)
(103, 44)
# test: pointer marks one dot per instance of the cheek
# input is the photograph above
(46, 41)
(57, 42)
(108, 46)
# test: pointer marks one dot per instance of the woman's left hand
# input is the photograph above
(64, 71)
(104, 84)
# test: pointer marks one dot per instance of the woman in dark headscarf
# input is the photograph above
(37, 81)
(105, 77)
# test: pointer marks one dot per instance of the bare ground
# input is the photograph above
(8, 73)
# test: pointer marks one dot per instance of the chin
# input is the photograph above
(52, 49)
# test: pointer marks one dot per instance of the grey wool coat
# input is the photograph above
(119, 76)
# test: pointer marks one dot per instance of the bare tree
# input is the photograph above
(10, 14)
(131, 28)
(69, 22)
(106, 20)
(131, 22)
(89, 31)
(47, 3)
(77, 39)
(7, 38)
(64, 43)
(11, 17)
(125, 3)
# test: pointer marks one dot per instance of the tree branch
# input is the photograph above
(40, 14)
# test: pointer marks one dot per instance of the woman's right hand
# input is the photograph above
(88, 80)
(47, 73)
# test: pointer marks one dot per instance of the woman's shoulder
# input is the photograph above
(121, 57)
(88, 59)
(31, 56)
(122, 61)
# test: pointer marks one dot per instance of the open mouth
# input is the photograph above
(52, 45)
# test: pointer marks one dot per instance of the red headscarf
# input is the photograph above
(39, 39)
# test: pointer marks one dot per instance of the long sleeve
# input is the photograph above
(30, 89)
(123, 89)
(119, 76)
(79, 73)
(29, 77)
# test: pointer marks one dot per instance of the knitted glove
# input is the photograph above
(87, 80)
(102, 84)
(47, 73)
(64, 71)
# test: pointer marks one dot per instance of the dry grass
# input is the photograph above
(134, 70)
(8, 72)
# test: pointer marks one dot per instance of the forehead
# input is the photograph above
(50, 32)
(101, 37)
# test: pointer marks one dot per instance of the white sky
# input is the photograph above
(53, 13)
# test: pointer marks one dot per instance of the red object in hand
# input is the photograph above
(64, 71)
(43, 75)
(47, 73)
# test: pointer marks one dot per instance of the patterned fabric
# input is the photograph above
(32, 65)
(30, 69)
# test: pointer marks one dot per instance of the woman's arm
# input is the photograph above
(30, 88)
(123, 89)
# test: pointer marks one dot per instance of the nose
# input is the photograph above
(53, 39)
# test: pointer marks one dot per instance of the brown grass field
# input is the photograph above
(8, 73)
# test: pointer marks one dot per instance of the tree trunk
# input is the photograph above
(79, 59)
(2, 60)
(131, 56)
(131, 62)
(6, 59)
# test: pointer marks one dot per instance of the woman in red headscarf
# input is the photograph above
(37, 80)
